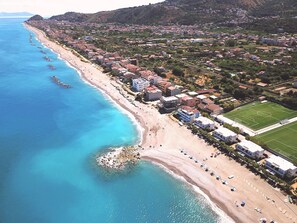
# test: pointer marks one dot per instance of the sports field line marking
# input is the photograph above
(284, 144)
(289, 155)
(288, 152)
(292, 129)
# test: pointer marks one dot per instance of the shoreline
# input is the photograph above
(212, 201)
(141, 129)
(160, 140)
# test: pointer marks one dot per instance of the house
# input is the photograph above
(117, 69)
(180, 96)
(214, 109)
(225, 135)
(128, 77)
(100, 59)
(152, 93)
(213, 97)
(173, 90)
(204, 123)
(207, 101)
(188, 114)
(163, 85)
(188, 101)
(124, 63)
(192, 93)
(208, 91)
(250, 149)
(168, 104)
(152, 77)
(201, 97)
(140, 84)
(281, 166)
(132, 68)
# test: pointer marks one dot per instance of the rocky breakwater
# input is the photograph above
(119, 158)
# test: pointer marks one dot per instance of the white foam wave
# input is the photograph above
(223, 217)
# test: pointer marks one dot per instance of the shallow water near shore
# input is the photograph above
(49, 138)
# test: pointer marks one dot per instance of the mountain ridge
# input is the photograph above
(249, 13)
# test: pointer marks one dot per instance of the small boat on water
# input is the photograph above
(30, 39)
(59, 82)
(47, 58)
(52, 67)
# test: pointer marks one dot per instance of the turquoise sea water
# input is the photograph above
(49, 137)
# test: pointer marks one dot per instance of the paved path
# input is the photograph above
(277, 125)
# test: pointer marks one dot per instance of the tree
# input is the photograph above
(177, 71)
(239, 94)
(230, 43)
(285, 76)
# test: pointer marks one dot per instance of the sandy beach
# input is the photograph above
(162, 142)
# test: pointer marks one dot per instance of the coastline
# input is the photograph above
(162, 139)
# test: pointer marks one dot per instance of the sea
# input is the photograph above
(49, 139)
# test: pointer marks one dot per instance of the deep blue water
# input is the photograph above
(49, 137)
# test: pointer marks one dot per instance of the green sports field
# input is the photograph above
(258, 115)
(283, 140)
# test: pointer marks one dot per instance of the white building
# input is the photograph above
(188, 114)
(204, 123)
(281, 166)
(140, 84)
(225, 135)
(250, 149)
(201, 97)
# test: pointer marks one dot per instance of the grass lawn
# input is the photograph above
(258, 115)
(282, 140)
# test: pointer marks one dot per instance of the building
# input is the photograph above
(132, 68)
(281, 166)
(188, 101)
(250, 149)
(152, 93)
(204, 123)
(225, 135)
(140, 84)
(180, 96)
(188, 114)
(128, 77)
(168, 104)
(192, 93)
(214, 109)
(172, 91)
(163, 85)
(213, 97)
(150, 76)
(201, 97)
(206, 91)
(207, 101)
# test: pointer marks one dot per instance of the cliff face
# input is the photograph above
(219, 12)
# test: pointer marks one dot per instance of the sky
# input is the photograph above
(55, 7)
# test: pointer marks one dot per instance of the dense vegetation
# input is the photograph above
(253, 14)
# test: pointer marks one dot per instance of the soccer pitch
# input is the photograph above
(282, 140)
(259, 115)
